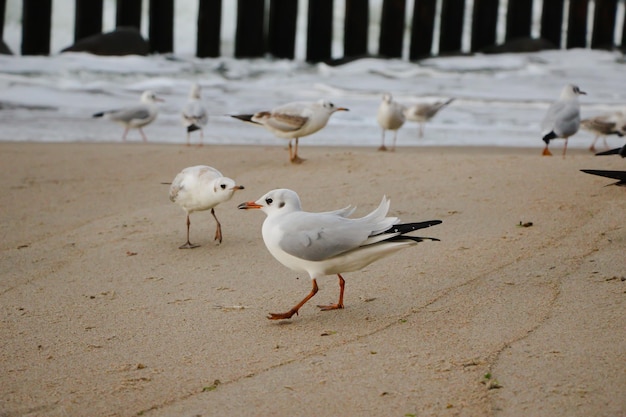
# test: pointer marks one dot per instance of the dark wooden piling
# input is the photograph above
(209, 28)
(355, 28)
(577, 24)
(604, 24)
(87, 18)
(319, 31)
(623, 42)
(552, 21)
(451, 32)
(161, 28)
(3, 7)
(518, 19)
(36, 23)
(282, 28)
(484, 24)
(422, 27)
(128, 13)
(392, 28)
(250, 33)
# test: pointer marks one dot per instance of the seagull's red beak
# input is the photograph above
(249, 205)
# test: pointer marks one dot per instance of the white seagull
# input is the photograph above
(390, 117)
(194, 115)
(200, 188)
(423, 112)
(603, 125)
(562, 119)
(135, 117)
(328, 243)
(293, 121)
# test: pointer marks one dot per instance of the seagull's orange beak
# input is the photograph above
(238, 187)
(249, 205)
(342, 109)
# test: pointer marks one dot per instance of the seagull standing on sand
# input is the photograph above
(562, 119)
(328, 243)
(194, 115)
(390, 117)
(293, 121)
(200, 188)
(135, 117)
(423, 112)
(603, 125)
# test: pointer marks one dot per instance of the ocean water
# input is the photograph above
(500, 99)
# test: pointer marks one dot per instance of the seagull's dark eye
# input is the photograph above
(281, 204)
(269, 201)
(223, 186)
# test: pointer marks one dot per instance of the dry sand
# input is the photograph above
(103, 315)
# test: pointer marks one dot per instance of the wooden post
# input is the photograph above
(250, 35)
(36, 22)
(623, 43)
(355, 29)
(161, 29)
(519, 19)
(604, 24)
(128, 13)
(3, 5)
(319, 31)
(577, 24)
(392, 28)
(552, 21)
(282, 28)
(87, 18)
(209, 28)
(422, 29)
(484, 24)
(451, 25)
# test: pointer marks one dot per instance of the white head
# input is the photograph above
(328, 106)
(276, 201)
(224, 188)
(387, 98)
(149, 97)
(195, 92)
(571, 91)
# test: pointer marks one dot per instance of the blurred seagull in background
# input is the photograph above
(603, 125)
(423, 112)
(390, 117)
(194, 115)
(293, 121)
(135, 117)
(562, 119)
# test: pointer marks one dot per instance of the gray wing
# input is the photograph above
(132, 113)
(562, 117)
(320, 236)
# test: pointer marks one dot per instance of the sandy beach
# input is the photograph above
(103, 315)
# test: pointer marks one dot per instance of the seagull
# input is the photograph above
(423, 112)
(390, 117)
(562, 119)
(194, 115)
(616, 175)
(603, 125)
(328, 243)
(137, 116)
(293, 121)
(200, 188)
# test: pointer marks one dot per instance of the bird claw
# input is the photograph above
(330, 307)
(188, 245)
(382, 148)
(282, 316)
(297, 160)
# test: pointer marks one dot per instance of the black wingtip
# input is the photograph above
(409, 227)
(98, 114)
(192, 128)
(549, 137)
(243, 117)
(617, 151)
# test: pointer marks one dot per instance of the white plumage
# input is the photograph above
(562, 119)
(194, 115)
(390, 116)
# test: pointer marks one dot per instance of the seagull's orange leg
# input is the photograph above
(546, 151)
(342, 284)
(565, 148)
(218, 230)
(294, 158)
(188, 245)
(287, 315)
